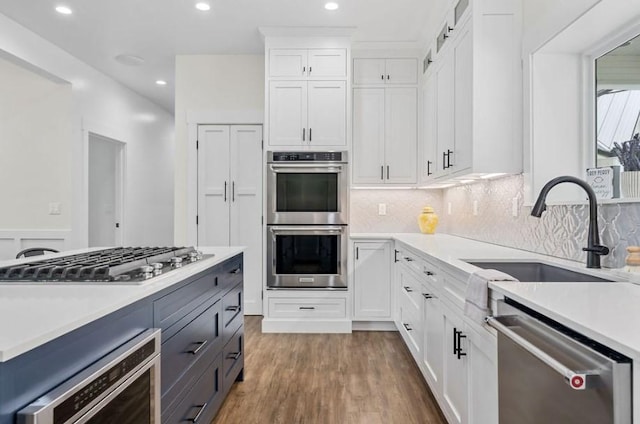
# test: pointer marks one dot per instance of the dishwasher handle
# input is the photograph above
(577, 380)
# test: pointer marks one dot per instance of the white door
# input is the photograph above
(368, 136)
(288, 113)
(105, 191)
(327, 63)
(327, 113)
(246, 208)
(369, 71)
(401, 135)
(432, 339)
(445, 120)
(454, 367)
(214, 189)
(288, 63)
(429, 165)
(372, 281)
(463, 115)
(402, 71)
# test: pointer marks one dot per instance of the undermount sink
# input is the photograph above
(539, 272)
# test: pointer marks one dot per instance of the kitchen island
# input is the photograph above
(49, 333)
(606, 312)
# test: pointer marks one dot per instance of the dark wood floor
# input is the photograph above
(364, 377)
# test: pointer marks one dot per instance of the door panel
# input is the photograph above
(246, 207)
(327, 63)
(213, 185)
(372, 281)
(368, 135)
(401, 120)
(445, 120)
(463, 102)
(327, 113)
(429, 165)
(287, 63)
(402, 71)
(454, 373)
(369, 71)
(288, 113)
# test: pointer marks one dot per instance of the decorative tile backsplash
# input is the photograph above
(403, 208)
(561, 232)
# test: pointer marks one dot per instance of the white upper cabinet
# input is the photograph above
(401, 126)
(327, 117)
(429, 162)
(385, 71)
(477, 78)
(368, 135)
(307, 63)
(288, 113)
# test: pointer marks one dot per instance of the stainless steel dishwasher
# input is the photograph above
(548, 373)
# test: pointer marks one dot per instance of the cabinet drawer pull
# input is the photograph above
(429, 273)
(407, 326)
(200, 411)
(236, 271)
(199, 348)
(427, 296)
(408, 259)
(408, 289)
(307, 308)
(234, 355)
(232, 308)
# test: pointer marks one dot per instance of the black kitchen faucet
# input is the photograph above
(594, 249)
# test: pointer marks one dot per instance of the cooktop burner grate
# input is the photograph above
(108, 265)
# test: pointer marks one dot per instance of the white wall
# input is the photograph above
(105, 107)
(220, 85)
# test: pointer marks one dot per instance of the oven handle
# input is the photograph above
(306, 230)
(577, 380)
(315, 168)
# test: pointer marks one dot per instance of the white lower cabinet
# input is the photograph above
(457, 357)
(372, 294)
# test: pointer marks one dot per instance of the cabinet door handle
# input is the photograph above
(304, 133)
(304, 69)
(449, 152)
(382, 172)
(382, 77)
(234, 355)
(199, 348)
(388, 77)
(200, 411)
(307, 308)
(429, 168)
(427, 296)
(408, 289)
(310, 135)
(408, 259)
(444, 160)
(387, 172)
(232, 308)
(395, 255)
(233, 191)
(445, 36)
(235, 271)
(429, 273)
(357, 253)
(460, 353)
(310, 69)
(407, 326)
(225, 191)
(455, 340)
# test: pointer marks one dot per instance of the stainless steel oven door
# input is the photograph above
(123, 387)
(307, 194)
(307, 257)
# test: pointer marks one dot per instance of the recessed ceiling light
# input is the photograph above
(161, 82)
(64, 10)
(203, 6)
(331, 6)
(129, 59)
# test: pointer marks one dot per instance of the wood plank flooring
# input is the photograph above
(363, 377)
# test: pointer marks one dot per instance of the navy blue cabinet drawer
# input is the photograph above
(170, 308)
(232, 272)
(233, 359)
(232, 312)
(200, 335)
(201, 403)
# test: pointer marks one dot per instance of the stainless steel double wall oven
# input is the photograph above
(307, 217)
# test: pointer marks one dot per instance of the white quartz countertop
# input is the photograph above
(606, 312)
(32, 314)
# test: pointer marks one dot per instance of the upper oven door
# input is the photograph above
(307, 194)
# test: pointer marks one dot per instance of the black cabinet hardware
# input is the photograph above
(455, 340)
(304, 69)
(233, 191)
(236, 271)
(307, 308)
(457, 348)
(429, 273)
(232, 308)
(408, 289)
(388, 77)
(387, 172)
(408, 259)
(444, 160)
(234, 355)
(200, 411)
(407, 326)
(429, 168)
(304, 132)
(310, 69)
(382, 172)
(449, 152)
(395, 255)
(310, 130)
(225, 191)
(382, 77)
(427, 296)
(357, 253)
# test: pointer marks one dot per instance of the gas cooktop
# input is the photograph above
(120, 265)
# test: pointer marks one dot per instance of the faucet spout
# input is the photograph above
(594, 249)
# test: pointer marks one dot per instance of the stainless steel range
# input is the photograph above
(120, 265)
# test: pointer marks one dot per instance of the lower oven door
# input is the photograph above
(307, 257)
(123, 387)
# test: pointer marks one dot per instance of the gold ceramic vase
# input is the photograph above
(428, 220)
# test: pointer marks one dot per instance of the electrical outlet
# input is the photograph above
(514, 207)
(382, 208)
(449, 208)
(54, 208)
(475, 208)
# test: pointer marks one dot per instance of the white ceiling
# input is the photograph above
(157, 30)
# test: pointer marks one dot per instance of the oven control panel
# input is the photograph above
(307, 156)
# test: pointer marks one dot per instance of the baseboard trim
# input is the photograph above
(374, 326)
(270, 325)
